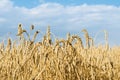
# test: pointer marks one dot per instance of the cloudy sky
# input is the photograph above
(63, 16)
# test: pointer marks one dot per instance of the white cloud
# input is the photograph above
(42, 1)
(2, 20)
(5, 5)
(62, 18)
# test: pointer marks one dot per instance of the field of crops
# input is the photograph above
(61, 59)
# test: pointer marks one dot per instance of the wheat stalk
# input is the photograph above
(20, 30)
(32, 27)
(9, 43)
(86, 37)
(79, 40)
(35, 35)
(48, 36)
(106, 39)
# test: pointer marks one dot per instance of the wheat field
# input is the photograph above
(61, 59)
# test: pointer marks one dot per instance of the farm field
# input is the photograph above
(61, 59)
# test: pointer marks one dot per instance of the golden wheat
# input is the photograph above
(64, 59)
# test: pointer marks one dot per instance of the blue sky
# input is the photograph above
(63, 16)
(33, 3)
